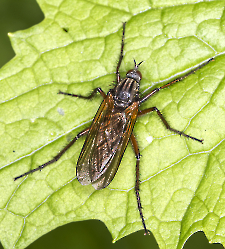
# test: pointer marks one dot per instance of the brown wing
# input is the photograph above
(105, 144)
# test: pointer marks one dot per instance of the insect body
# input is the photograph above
(112, 129)
(109, 133)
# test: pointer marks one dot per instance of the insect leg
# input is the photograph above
(140, 113)
(98, 89)
(121, 54)
(143, 99)
(56, 158)
(137, 190)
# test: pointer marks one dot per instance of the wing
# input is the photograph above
(105, 144)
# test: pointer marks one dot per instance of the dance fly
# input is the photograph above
(112, 129)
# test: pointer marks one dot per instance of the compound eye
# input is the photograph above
(139, 74)
(130, 72)
(134, 74)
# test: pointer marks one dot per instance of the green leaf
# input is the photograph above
(75, 49)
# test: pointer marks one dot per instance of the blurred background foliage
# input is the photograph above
(22, 14)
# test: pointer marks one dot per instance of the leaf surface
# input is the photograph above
(75, 49)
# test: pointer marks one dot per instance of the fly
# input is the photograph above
(112, 129)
